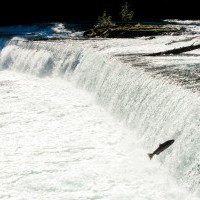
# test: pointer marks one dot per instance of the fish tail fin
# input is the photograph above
(150, 155)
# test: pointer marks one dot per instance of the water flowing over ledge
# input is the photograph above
(153, 107)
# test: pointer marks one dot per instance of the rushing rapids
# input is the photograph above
(152, 97)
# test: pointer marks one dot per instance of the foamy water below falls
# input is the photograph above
(56, 143)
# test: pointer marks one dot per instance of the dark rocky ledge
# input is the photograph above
(130, 31)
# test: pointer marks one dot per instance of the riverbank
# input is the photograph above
(130, 31)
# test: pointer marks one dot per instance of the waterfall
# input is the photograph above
(156, 109)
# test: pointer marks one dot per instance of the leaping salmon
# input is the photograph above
(161, 148)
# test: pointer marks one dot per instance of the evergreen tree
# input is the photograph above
(105, 20)
(126, 14)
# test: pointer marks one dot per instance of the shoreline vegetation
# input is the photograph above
(130, 31)
(105, 27)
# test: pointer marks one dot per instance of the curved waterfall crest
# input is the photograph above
(154, 108)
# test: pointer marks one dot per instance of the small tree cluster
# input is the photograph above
(104, 20)
(126, 14)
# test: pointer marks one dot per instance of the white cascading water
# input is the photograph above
(153, 108)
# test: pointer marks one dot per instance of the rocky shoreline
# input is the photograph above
(130, 31)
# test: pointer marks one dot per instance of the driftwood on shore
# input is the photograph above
(176, 51)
